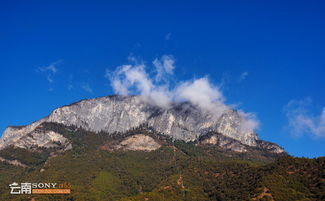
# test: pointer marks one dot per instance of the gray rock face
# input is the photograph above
(223, 142)
(117, 114)
(138, 142)
(269, 146)
(13, 135)
(12, 162)
(40, 138)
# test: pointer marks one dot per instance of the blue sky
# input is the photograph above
(267, 57)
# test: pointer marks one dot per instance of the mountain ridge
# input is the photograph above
(118, 114)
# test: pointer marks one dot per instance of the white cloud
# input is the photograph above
(301, 121)
(202, 93)
(154, 88)
(243, 76)
(49, 70)
(87, 88)
(49, 78)
(164, 65)
(134, 77)
(70, 86)
(250, 121)
(52, 68)
(168, 36)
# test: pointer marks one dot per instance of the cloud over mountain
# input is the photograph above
(154, 87)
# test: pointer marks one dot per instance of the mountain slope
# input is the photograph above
(99, 170)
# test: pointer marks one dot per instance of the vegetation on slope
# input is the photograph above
(176, 171)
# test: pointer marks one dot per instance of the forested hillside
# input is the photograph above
(176, 171)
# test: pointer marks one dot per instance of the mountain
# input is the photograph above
(124, 148)
(119, 114)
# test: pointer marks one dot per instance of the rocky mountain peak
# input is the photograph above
(118, 114)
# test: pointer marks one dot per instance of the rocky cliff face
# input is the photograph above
(117, 114)
(223, 142)
(138, 142)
